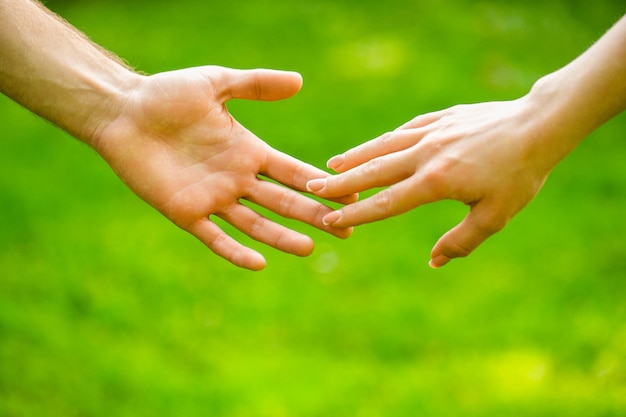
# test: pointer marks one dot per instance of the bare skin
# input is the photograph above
(493, 157)
(168, 136)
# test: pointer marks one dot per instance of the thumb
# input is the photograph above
(257, 84)
(478, 225)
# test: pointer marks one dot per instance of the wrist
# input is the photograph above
(548, 125)
(560, 110)
(556, 107)
(104, 99)
(58, 73)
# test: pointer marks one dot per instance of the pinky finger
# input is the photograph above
(225, 246)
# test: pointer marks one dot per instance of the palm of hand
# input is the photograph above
(177, 147)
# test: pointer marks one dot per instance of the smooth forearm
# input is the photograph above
(56, 72)
(584, 94)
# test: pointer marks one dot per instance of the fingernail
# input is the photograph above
(438, 261)
(331, 218)
(335, 162)
(316, 185)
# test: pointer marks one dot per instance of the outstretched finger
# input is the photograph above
(463, 239)
(256, 84)
(378, 172)
(392, 201)
(390, 142)
(295, 174)
(228, 248)
(266, 231)
(292, 205)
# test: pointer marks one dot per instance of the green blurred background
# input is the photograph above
(107, 309)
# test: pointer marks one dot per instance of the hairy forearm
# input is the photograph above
(55, 71)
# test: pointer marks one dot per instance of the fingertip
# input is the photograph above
(336, 162)
(316, 185)
(259, 267)
(259, 84)
(254, 262)
(304, 246)
(345, 233)
(297, 77)
(438, 261)
(291, 80)
(225, 246)
(353, 198)
(331, 218)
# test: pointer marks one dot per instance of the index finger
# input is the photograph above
(385, 144)
(293, 205)
(295, 174)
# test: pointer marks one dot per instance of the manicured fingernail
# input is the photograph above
(335, 162)
(331, 218)
(316, 185)
(438, 261)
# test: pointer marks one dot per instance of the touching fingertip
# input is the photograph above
(335, 162)
(331, 218)
(316, 185)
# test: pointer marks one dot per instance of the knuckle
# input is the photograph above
(435, 176)
(419, 118)
(236, 256)
(299, 175)
(281, 240)
(287, 202)
(454, 110)
(218, 243)
(373, 168)
(419, 121)
(436, 180)
(383, 201)
(257, 227)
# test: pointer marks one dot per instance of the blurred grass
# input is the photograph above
(108, 309)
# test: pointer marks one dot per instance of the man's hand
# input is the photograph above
(177, 147)
(168, 136)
